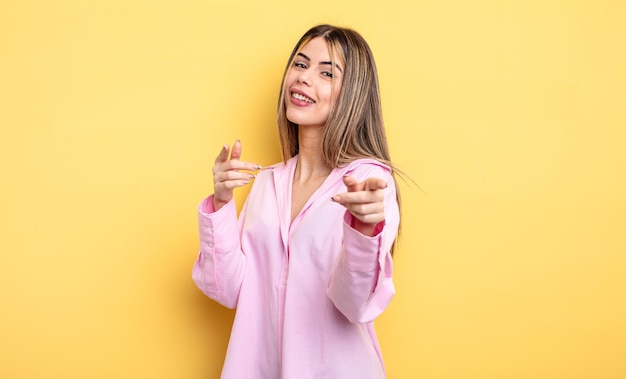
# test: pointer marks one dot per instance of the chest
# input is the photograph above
(301, 192)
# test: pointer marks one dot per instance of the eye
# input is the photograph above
(301, 65)
(328, 74)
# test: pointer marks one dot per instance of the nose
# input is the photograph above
(304, 78)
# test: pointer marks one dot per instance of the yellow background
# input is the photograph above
(509, 115)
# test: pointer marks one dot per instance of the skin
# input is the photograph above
(310, 76)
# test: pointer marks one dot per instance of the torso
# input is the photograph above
(302, 191)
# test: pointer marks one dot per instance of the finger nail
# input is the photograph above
(335, 198)
(258, 167)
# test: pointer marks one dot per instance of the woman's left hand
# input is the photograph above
(364, 200)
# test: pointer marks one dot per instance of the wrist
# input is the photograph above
(217, 204)
(362, 227)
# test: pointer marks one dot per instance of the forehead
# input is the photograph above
(318, 49)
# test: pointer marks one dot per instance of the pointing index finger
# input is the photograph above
(223, 155)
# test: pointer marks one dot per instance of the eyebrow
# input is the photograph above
(324, 62)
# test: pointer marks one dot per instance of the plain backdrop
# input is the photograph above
(508, 115)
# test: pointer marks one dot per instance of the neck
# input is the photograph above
(310, 162)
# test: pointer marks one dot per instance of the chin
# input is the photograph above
(296, 119)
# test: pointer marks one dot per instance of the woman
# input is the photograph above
(308, 262)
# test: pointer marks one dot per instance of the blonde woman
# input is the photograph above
(308, 262)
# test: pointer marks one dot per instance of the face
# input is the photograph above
(312, 84)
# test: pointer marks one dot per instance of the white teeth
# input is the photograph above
(297, 96)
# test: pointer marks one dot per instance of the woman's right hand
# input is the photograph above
(227, 175)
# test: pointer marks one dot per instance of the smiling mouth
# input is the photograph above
(301, 97)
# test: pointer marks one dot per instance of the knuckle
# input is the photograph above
(361, 209)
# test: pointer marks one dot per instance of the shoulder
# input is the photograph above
(366, 167)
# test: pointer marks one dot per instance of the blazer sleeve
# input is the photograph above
(361, 284)
(219, 268)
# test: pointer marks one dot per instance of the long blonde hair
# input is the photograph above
(355, 127)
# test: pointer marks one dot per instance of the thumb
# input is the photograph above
(236, 153)
(373, 184)
(352, 184)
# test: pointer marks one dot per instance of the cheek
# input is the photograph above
(289, 80)
(337, 87)
(336, 90)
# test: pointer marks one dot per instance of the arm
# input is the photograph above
(361, 285)
(220, 266)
